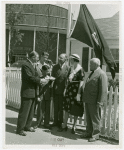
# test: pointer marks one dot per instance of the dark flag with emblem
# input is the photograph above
(87, 31)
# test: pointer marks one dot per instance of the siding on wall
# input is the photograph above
(39, 9)
(37, 15)
(113, 43)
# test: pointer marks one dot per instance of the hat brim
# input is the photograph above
(75, 58)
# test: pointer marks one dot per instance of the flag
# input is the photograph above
(87, 31)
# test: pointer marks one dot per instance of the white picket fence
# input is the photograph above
(110, 113)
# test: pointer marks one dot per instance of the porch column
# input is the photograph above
(68, 30)
(8, 61)
(34, 39)
(104, 68)
(89, 58)
(57, 47)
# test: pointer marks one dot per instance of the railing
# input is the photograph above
(110, 112)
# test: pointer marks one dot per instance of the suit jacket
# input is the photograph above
(39, 68)
(95, 90)
(47, 91)
(60, 75)
(39, 74)
(29, 80)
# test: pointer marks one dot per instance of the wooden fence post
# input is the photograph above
(109, 111)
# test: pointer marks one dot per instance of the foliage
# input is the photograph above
(42, 41)
(45, 41)
(14, 17)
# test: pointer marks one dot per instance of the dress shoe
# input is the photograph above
(73, 130)
(35, 127)
(47, 126)
(30, 129)
(54, 125)
(92, 139)
(86, 135)
(22, 133)
(62, 129)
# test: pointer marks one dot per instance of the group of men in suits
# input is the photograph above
(32, 82)
(94, 95)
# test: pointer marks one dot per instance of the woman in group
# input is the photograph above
(73, 98)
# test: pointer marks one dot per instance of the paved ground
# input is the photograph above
(43, 136)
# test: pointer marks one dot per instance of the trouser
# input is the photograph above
(26, 113)
(40, 113)
(93, 117)
(43, 109)
(58, 109)
(47, 111)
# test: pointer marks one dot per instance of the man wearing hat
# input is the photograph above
(60, 72)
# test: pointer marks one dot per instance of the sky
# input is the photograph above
(97, 10)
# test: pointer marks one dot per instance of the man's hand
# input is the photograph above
(43, 81)
(51, 78)
(41, 97)
(64, 93)
(78, 97)
(38, 99)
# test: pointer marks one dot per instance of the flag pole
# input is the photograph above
(68, 30)
(57, 47)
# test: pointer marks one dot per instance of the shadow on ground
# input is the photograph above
(11, 123)
(10, 128)
(66, 134)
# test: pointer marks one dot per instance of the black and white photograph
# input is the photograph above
(62, 74)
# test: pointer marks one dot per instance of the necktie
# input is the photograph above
(91, 74)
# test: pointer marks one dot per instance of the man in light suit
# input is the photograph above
(95, 93)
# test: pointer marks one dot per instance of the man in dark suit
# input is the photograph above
(28, 94)
(95, 93)
(60, 72)
(47, 93)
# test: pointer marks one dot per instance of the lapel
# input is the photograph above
(62, 71)
(30, 64)
(31, 67)
(94, 75)
(64, 68)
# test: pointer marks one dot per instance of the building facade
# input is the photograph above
(46, 18)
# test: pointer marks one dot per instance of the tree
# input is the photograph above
(14, 16)
(45, 40)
